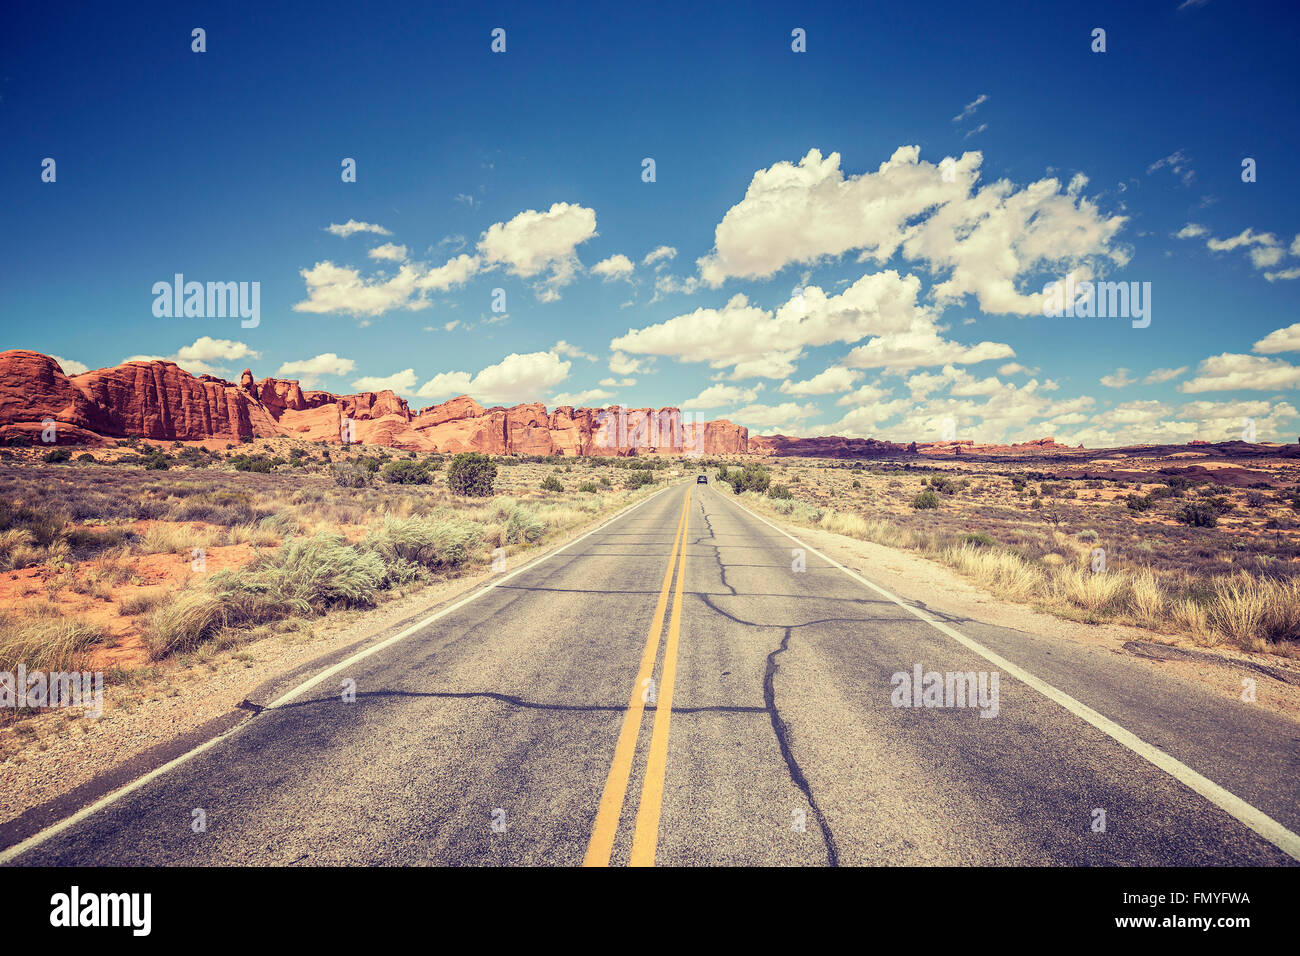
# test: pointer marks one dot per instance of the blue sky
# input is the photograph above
(522, 171)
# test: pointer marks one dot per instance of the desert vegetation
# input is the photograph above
(141, 554)
(1212, 555)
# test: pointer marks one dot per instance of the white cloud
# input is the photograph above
(1230, 371)
(1178, 164)
(403, 382)
(71, 366)
(785, 415)
(718, 396)
(834, 379)
(533, 243)
(1015, 368)
(1120, 378)
(1279, 340)
(662, 253)
(621, 364)
(617, 382)
(615, 267)
(198, 358)
(581, 398)
(571, 351)
(1161, 375)
(389, 252)
(970, 108)
(757, 342)
(308, 372)
(352, 226)
(517, 378)
(1191, 231)
(985, 240)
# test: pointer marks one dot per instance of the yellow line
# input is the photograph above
(601, 844)
(646, 837)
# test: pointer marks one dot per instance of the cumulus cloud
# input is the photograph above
(615, 267)
(388, 252)
(571, 351)
(308, 372)
(985, 241)
(351, 227)
(1265, 249)
(581, 398)
(71, 366)
(659, 253)
(402, 383)
(544, 244)
(718, 396)
(834, 379)
(516, 378)
(198, 358)
(1280, 340)
(785, 415)
(1230, 372)
(1120, 378)
(757, 342)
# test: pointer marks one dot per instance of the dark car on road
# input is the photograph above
(702, 480)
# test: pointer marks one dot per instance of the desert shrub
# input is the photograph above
(350, 475)
(1255, 499)
(522, 526)
(141, 602)
(1139, 502)
(926, 500)
(779, 491)
(943, 485)
(551, 483)
(57, 456)
(639, 479)
(259, 464)
(407, 472)
(471, 475)
(857, 483)
(751, 477)
(1198, 514)
(588, 487)
(978, 539)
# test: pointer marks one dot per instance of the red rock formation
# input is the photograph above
(33, 389)
(161, 401)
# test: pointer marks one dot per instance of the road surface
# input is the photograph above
(671, 690)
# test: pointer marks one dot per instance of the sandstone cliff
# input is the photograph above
(161, 401)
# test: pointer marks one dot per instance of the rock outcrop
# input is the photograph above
(161, 401)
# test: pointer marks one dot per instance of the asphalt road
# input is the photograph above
(492, 736)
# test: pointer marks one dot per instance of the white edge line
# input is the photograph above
(36, 839)
(1251, 816)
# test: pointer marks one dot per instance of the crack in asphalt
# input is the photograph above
(516, 701)
(782, 732)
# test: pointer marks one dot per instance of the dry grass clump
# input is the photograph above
(46, 643)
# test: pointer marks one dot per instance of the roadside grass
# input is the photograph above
(1050, 569)
(46, 643)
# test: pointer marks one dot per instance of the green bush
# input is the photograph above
(407, 472)
(428, 542)
(522, 526)
(1200, 514)
(750, 478)
(588, 487)
(551, 483)
(779, 491)
(639, 479)
(926, 500)
(471, 475)
(57, 456)
(346, 474)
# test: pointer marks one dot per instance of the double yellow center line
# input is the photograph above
(646, 835)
